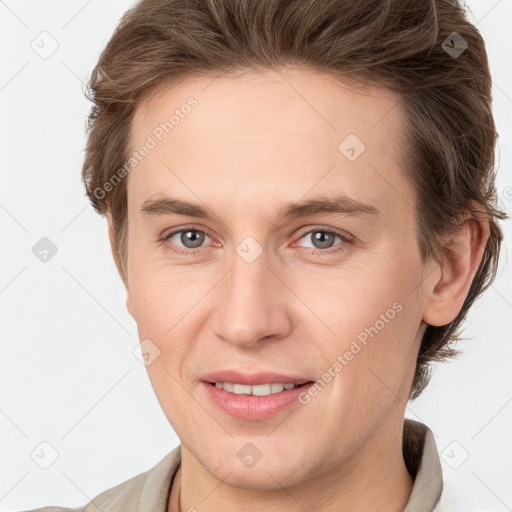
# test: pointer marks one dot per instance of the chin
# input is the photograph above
(274, 471)
(262, 479)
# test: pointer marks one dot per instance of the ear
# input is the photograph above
(462, 254)
(111, 238)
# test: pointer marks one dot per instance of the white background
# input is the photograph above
(68, 374)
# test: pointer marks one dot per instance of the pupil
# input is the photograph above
(322, 239)
(192, 239)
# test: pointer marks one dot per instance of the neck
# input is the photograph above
(374, 478)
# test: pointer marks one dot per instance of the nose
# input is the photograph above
(253, 304)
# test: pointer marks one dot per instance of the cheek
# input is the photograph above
(371, 320)
(165, 311)
(355, 300)
(163, 295)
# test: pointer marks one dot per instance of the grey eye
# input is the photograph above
(188, 238)
(192, 239)
(321, 239)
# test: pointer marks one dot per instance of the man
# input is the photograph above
(300, 200)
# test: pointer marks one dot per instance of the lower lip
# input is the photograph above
(251, 407)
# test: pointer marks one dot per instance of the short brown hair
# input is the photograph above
(397, 44)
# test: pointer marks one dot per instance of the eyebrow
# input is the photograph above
(339, 204)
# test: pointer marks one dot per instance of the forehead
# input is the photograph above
(288, 126)
(249, 101)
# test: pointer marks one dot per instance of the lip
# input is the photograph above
(251, 407)
(253, 379)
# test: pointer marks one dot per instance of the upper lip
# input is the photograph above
(253, 379)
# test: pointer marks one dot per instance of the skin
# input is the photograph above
(254, 143)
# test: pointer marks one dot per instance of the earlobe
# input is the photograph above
(462, 254)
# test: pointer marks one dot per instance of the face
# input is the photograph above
(271, 236)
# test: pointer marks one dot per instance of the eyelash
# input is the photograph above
(183, 251)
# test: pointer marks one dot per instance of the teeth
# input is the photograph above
(241, 389)
(258, 390)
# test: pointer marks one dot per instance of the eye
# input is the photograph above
(323, 240)
(186, 240)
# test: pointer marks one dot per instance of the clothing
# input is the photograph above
(149, 491)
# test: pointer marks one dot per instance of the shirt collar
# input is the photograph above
(422, 461)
